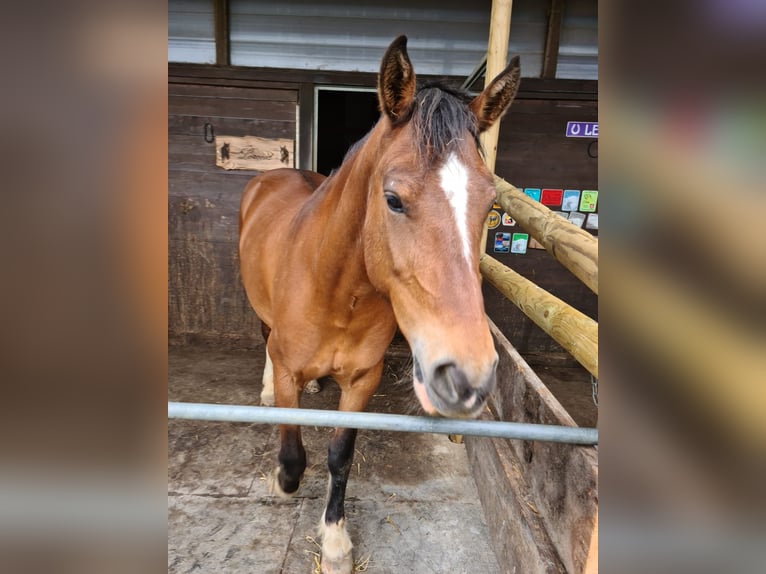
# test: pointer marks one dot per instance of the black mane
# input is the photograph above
(441, 119)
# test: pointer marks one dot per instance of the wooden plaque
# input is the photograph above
(250, 152)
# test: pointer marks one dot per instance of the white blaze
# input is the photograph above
(454, 180)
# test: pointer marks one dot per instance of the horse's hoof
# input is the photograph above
(272, 481)
(267, 400)
(336, 548)
(343, 565)
(312, 387)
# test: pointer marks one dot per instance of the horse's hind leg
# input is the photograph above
(312, 387)
(336, 543)
(267, 392)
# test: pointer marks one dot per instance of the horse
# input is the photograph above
(332, 266)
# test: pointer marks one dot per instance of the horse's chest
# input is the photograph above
(334, 342)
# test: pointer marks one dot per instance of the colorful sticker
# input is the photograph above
(571, 200)
(508, 221)
(533, 192)
(497, 206)
(577, 218)
(493, 219)
(551, 196)
(582, 130)
(519, 242)
(589, 200)
(592, 221)
(502, 242)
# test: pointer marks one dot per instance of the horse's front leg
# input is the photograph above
(336, 543)
(292, 456)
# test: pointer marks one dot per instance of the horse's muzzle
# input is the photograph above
(448, 391)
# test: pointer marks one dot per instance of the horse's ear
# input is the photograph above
(396, 82)
(490, 105)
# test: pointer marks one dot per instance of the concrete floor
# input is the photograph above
(411, 504)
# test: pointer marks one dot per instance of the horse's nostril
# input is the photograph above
(416, 370)
(451, 384)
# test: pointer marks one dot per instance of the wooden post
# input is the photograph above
(221, 19)
(570, 328)
(497, 56)
(574, 248)
(552, 39)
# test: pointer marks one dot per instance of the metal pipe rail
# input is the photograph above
(382, 421)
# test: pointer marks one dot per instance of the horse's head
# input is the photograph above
(428, 200)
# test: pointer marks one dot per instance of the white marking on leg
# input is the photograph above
(454, 182)
(272, 482)
(267, 394)
(336, 543)
(336, 548)
(312, 387)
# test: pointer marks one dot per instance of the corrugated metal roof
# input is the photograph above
(446, 37)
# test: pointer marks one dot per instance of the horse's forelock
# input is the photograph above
(441, 120)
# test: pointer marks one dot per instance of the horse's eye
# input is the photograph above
(394, 203)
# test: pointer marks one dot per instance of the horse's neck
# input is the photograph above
(341, 211)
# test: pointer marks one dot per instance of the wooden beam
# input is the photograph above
(497, 56)
(221, 19)
(552, 39)
(574, 331)
(574, 248)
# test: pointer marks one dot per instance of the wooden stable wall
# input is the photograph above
(533, 151)
(206, 300)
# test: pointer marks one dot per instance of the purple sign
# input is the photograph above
(582, 130)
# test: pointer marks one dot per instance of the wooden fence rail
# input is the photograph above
(570, 328)
(574, 248)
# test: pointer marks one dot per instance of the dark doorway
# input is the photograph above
(343, 118)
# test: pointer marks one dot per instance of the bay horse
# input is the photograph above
(332, 265)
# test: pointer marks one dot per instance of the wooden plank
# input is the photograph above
(233, 92)
(537, 88)
(213, 185)
(195, 154)
(562, 480)
(231, 108)
(195, 126)
(518, 535)
(205, 293)
(251, 152)
(191, 152)
(573, 330)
